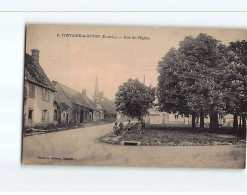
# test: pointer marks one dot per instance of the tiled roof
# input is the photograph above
(75, 96)
(34, 73)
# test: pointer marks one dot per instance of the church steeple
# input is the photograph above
(96, 91)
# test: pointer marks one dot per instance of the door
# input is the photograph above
(81, 116)
(30, 118)
(59, 117)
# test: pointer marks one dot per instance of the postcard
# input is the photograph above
(134, 96)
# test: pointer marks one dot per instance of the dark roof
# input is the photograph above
(35, 74)
(74, 96)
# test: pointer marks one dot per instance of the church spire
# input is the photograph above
(96, 90)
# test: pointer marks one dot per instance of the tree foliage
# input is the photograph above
(236, 80)
(190, 77)
(134, 98)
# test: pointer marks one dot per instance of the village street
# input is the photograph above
(82, 147)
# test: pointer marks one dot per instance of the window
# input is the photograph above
(63, 115)
(31, 91)
(46, 94)
(30, 114)
(43, 94)
(25, 91)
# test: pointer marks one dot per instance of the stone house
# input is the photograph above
(38, 93)
(74, 107)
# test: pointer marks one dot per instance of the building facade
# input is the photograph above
(38, 93)
(74, 107)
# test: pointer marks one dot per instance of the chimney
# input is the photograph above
(84, 92)
(35, 55)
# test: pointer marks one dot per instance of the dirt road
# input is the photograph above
(82, 147)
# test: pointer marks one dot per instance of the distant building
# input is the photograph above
(109, 109)
(157, 118)
(74, 107)
(38, 93)
(106, 107)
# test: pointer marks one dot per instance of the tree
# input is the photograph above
(190, 78)
(169, 90)
(108, 106)
(134, 98)
(237, 83)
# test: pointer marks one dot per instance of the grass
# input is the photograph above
(183, 136)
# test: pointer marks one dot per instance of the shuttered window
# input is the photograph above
(31, 91)
(43, 94)
(46, 94)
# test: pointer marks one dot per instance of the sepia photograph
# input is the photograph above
(131, 96)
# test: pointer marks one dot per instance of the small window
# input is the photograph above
(31, 91)
(30, 114)
(25, 91)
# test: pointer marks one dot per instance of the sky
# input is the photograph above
(114, 55)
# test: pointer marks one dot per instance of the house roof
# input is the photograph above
(74, 96)
(35, 74)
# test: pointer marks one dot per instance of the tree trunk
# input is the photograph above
(193, 120)
(201, 119)
(243, 124)
(235, 121)
(240, 121)
(214, 121)
(197, 120)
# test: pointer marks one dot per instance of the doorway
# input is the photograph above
(81, 116)
(30, 118)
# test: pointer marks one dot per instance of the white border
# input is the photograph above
(15, 177)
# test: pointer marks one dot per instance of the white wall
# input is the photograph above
(37, 104)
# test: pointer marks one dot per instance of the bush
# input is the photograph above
(49, 126)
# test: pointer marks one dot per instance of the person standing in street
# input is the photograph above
(121, 126)
(116, 130)
(128, 126)
(143, 126)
